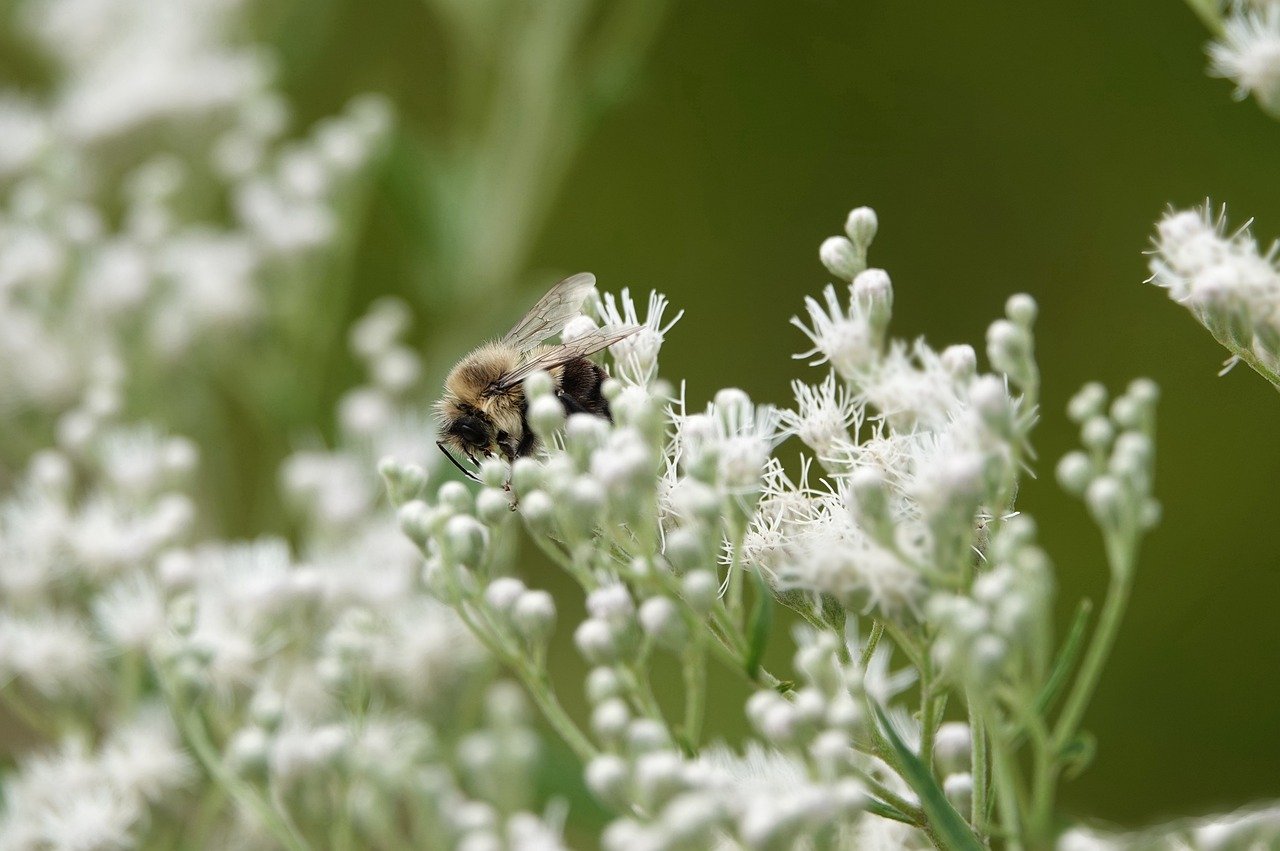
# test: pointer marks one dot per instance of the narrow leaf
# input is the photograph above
(951, 828)
(759, 625)
(1066, 661)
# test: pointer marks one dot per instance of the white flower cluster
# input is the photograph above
(1230, 286)
(685, 531)
(1248, 52)
(114, 255)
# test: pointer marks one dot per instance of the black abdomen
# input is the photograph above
(580, 384)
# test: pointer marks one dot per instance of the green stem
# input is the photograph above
(873, 640)
(978, 770)
(1007, 788)
(695, 684)
(1120, 554)
(1210, 14)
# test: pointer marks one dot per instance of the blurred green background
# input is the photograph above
(1007, 147)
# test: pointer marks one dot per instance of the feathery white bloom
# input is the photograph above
(131, 612)
(845, 339)
(911, 388)
(825, 414)
(637, 356)
(52, 652)
(1248, 53)
(145, 758)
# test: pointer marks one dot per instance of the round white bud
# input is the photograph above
(687, 546)
(602, 684)
(503, 592)
(526, 475)
(609, 779)
(455, 497)
(1075, 471)
(1088, 402)
(841, 258)
(645, 735)
(1105, 498)
(861, 225)
(534, 615)
(416, 521)
(1097, 433)
(492, 506)
(660, 619)
(596, 642)
(464, 539)
(951, 746)
(659, 776)
(538, 384)
(1021, 309)
(959, 790)
(538, 509)
(610, 720)
(611, 603)
(701, 589)
(546, 416)
(493, 472)
(960, 361)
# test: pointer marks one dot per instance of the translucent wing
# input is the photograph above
(586, 345)
(552, 311)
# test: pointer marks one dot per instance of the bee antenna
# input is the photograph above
(470, 475)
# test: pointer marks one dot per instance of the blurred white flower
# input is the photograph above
(1248, 53)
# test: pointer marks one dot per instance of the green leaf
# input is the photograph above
(950, 827)
(1066, 661)
(759, 625)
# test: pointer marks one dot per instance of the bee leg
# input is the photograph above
(570, 404)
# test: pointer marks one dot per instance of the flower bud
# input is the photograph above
(861, 225)
(660, 619)
(645, 735)
(1106, 501)
(503, 592)
(959, 790)
(526, 475)
(538, 510)
(961, 361)
(873, 292)
(609, 780)
(538, 384)
(1021, 310)
(493, 472)
(951, 746)
(586, 503)
(658, 778)
(1097, 433)
(464, 539)
(546, 416)
(596, 642)
(1087, 403)
(1075, 471)
(841, 258)
(610, 720)
(492, 506)
(534, 616)
(688, 547)
(701, 589)
(603, 684)
(416, 521)
(456, 497)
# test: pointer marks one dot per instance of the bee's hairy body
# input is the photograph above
(482, 419)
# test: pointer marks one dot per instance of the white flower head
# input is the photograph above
(824, 415)
(637, 356)
(1248, 53)
(845, 339)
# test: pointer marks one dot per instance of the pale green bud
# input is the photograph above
(538, 510)
(464, 539)
(1097, 433)
(841, 257)
(416, 521)
(1088, 402)
(861, 225)
(1021, 309)
(546, 416)
(1075, 471)
(534, 616)
(610, 720)
(456, 497)
(493, 472)
(526, 475)
(602, 684)
(493, 506)
(609, 779)
(660, 619)
(596, 642)
(538, 385)
(502, 593)
(701, 589)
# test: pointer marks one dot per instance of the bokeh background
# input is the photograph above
(1006, 147)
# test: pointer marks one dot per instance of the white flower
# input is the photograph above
(825, 414)
(131, 612)
(52, 652)
(637, 355)
(145, 759)
(846, 340)
(1249, 54)
(911, 388)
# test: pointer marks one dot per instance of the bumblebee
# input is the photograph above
(484, 408)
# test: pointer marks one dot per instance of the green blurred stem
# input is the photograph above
(978, 770)
(1210, 14)
(1120, 555)
(695, 684)
(873, 641)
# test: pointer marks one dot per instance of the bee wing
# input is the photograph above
(552, 311)
(582, 347)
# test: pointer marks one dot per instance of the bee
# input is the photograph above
(484, 408)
